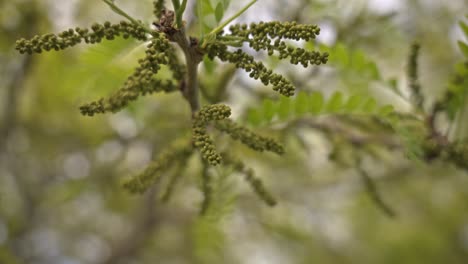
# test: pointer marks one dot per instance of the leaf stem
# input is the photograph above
(119, 11)
(211, 36)
(236, 15)
(179, 13)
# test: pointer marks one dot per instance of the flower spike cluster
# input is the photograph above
(72, 37)
(169, 32)
(180, 150)
(249, 138)
(218, 114)
(269, 37)
(141, 82)
(255, 183)
(201, 139)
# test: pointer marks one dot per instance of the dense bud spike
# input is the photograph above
(72, 37)
(141, 82)
(141, 182)
(255, 183)
(201, 140)
(249, 138)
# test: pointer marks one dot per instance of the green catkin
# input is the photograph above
(141, 82)
(72, 37)
(201, 140)
(249, 138)
(180, 150)
(268, 36)
(176, 176)
(207, 189)
(256, 70)
(255, 183)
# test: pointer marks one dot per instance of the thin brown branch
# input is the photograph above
(374, 193)
(145, 224)
(332, 125)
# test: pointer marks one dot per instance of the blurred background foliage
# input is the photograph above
(60, 173)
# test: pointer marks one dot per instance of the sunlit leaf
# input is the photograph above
(284, 109)
(316, 102)
(301, 104)
(335, 104)
(463, 47)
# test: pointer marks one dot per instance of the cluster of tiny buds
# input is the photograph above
(213, 112)
(141, 82)
(255, 183)
(276, 29)
(249, 138)
(201, 140)
(256, 69)
(72, 37)
(268, 36)
(179, 150)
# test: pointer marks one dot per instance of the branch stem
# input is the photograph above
(192, 58)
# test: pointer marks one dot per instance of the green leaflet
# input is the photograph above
(335, 103)
(302, 104)
(284, 108)
(107, 64)
(210, 13)
(313, 104)
(463, 47)
(464, 28)
(355, 61)
(316, 102)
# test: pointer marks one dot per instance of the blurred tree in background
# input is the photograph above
(349, 189)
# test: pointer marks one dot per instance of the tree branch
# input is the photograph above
(193, 57)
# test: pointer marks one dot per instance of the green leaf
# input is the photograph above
(205, 9)
(386, 110)
(219, 12)
(254, 117)
(268, 110)
(354, 102)
(284, 109)
(226, 3)
(335, 104)
(209, 65)
(358, 60)
(316, 102)
(369, 106)
(372, 71)
(301, 103)
(340, 55)
(209, 21)
(463, 47)
(464, 28)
